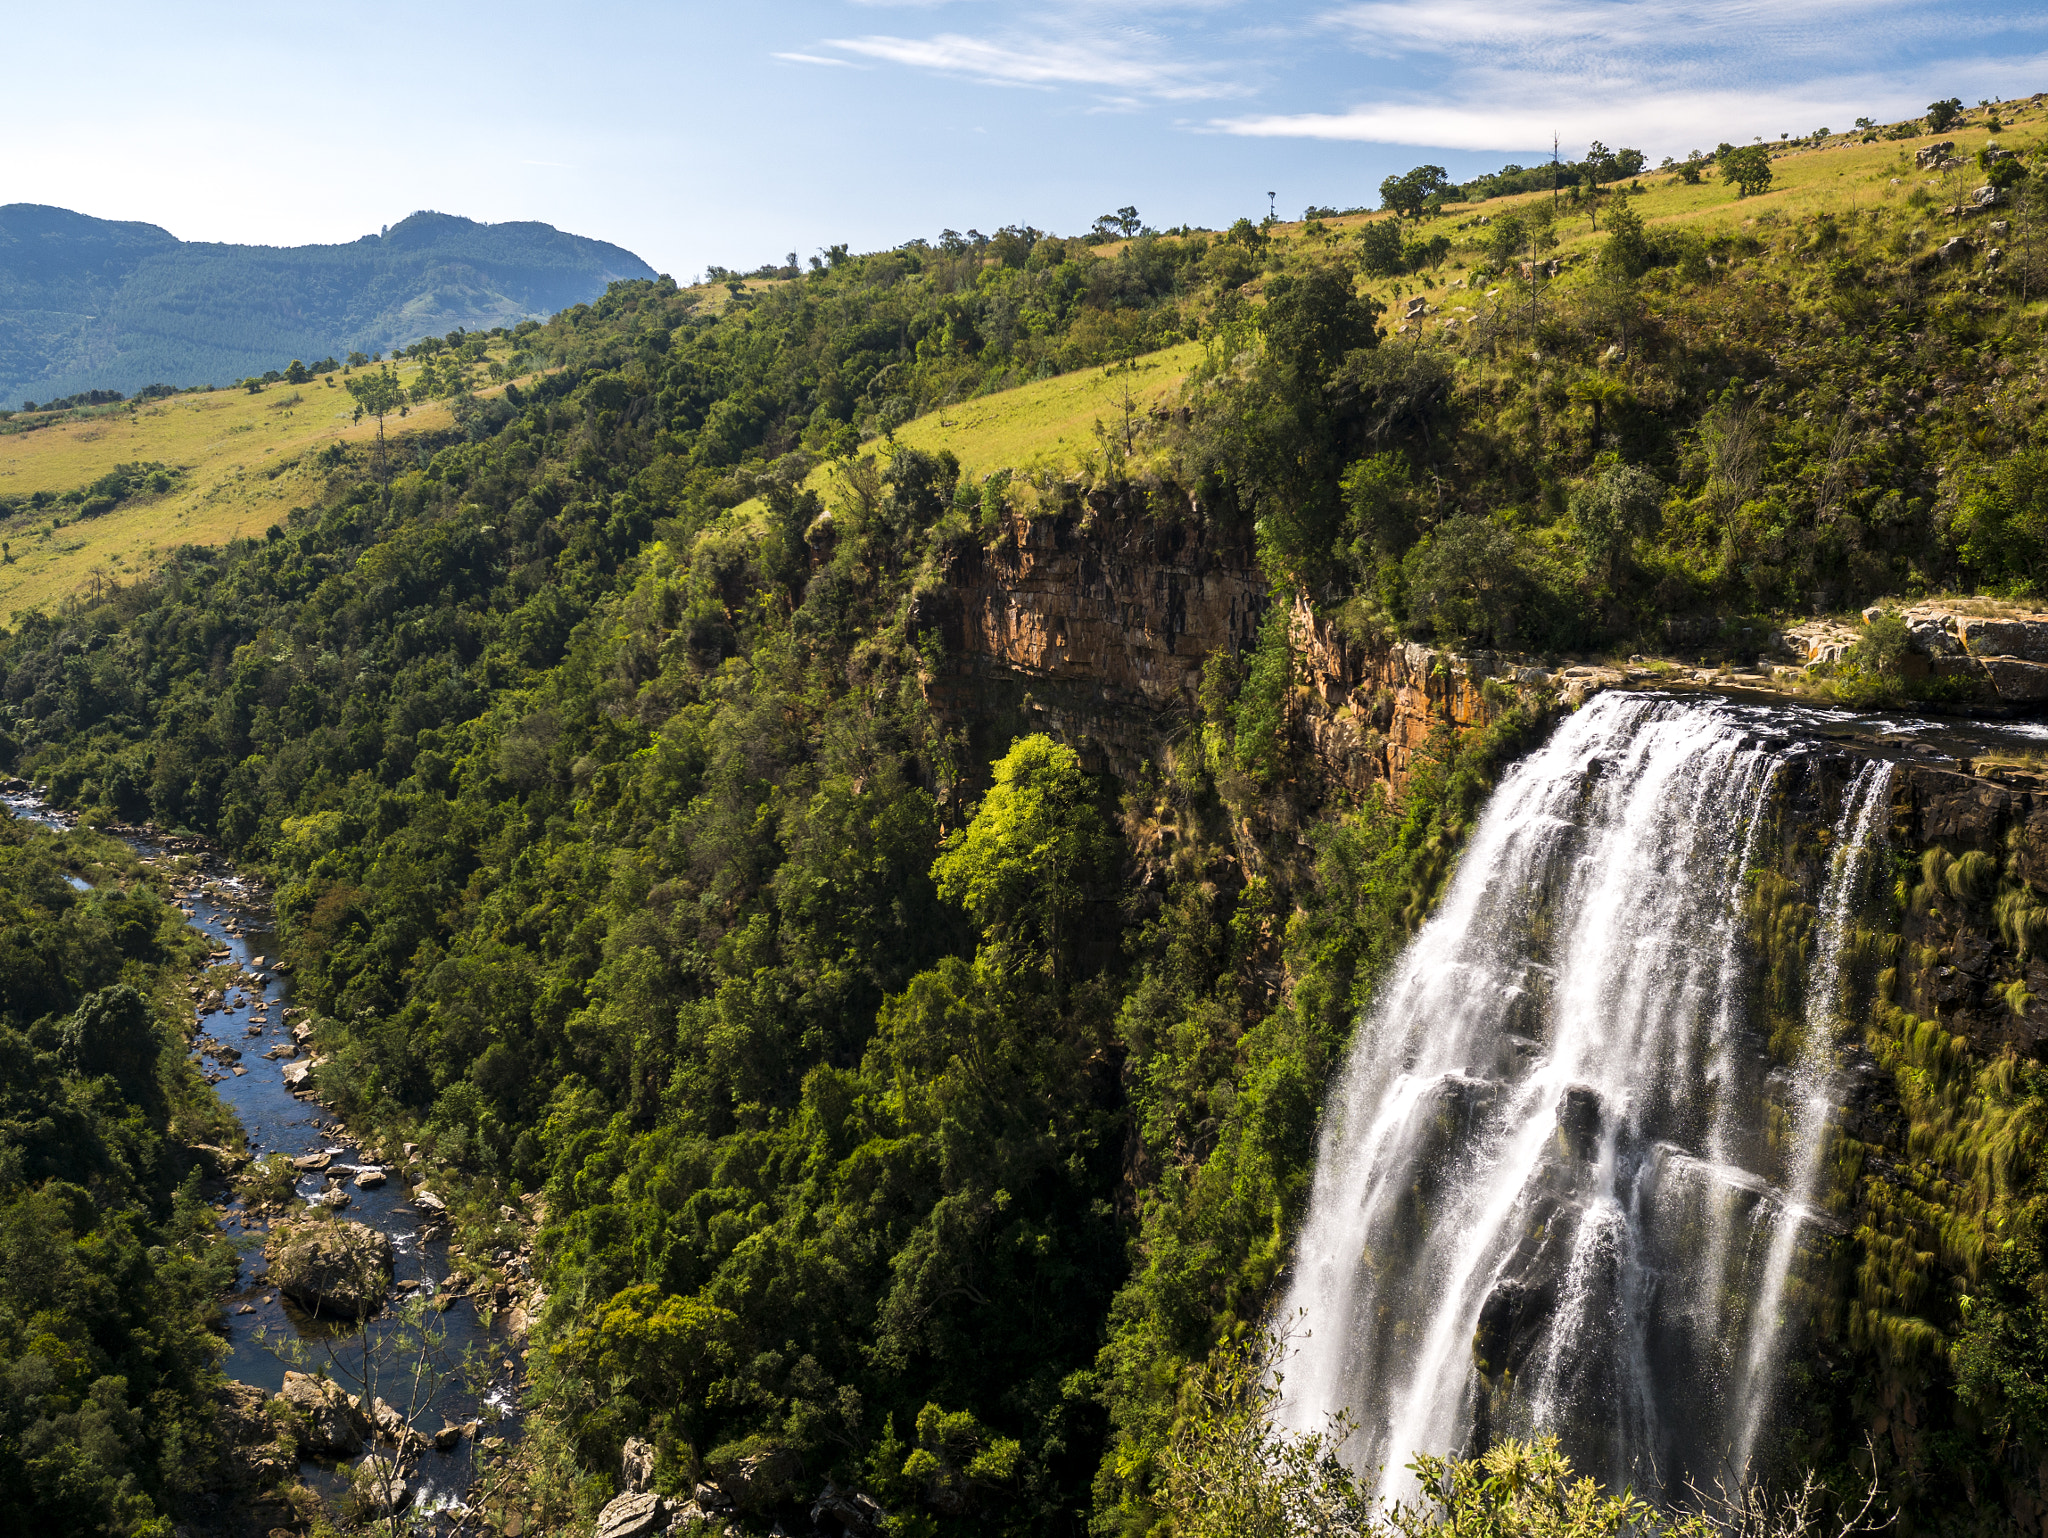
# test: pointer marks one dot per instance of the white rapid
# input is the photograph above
(1562, 1179)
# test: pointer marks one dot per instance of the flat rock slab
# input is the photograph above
(632, 1516)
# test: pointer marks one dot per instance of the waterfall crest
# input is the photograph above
(1562, 1178)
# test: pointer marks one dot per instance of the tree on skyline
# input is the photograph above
(1406, 194)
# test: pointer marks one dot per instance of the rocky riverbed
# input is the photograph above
(373, 1363)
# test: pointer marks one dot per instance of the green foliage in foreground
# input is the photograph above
(1232, 1472)
(110, 1264)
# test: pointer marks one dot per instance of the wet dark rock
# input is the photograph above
(1578, 1121)
(1520, 1306)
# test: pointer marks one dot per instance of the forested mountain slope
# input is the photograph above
(94, 304)
(913, 1111)
(110, 1266)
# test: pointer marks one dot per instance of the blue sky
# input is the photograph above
(735, 133)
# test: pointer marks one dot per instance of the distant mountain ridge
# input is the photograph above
(91, 303)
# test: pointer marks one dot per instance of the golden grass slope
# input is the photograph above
(245, 460)
(1051, 421)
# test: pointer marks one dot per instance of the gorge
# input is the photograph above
(1510, 844)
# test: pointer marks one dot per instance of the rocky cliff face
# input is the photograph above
(1965, 958)
(1366, 708)
(1096, 626)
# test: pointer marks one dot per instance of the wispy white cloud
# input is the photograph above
(1469, 74)
(1506, 74)
(1126, 53)
(1124, 60)
(815, 58)
(1696, 119)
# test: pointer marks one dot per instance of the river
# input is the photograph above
(265, 1333)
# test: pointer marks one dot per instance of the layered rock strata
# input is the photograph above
(1095, 626)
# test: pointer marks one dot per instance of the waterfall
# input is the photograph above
(1561, 1180)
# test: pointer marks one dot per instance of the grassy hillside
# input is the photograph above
(1051, 425)
(238, 463)
(91, 304)
(1052, 422)
(1845, 177)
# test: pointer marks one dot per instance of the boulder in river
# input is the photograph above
(330, 1423)
(369, 1179)
(330, 1266)
(380, 1486)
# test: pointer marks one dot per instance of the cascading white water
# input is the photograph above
(1549, 1195)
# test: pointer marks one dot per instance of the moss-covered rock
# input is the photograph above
(329, 1266)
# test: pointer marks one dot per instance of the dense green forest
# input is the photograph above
(94, 304)
(110, 1265)
(913, 1105)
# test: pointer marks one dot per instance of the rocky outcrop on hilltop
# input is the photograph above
(1996, 660)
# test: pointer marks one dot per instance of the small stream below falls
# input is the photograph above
(1569, 1174)
(262, 1327)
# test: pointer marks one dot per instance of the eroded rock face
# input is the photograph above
(1105, 615)
(636, 1465)
(1096, 624)
(329, 1266)
(1956, 965)
(1369, 709)
(332, 1425)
